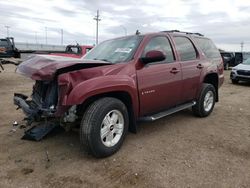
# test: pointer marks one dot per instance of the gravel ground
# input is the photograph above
(177, 151)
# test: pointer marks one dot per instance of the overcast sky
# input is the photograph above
(226, 22)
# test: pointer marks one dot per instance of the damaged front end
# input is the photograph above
(54, 78)
(42, 104)
(40, 108)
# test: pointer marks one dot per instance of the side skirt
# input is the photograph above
(167, 112)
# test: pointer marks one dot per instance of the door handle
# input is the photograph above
(174, 71)
(200, 66)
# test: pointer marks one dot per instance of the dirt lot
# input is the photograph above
(177, 151)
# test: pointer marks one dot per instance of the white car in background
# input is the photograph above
(241, 72)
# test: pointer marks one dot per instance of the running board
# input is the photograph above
(167, 112)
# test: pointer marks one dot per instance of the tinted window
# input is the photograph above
(73, 49)
(185, 48)
(160, 44)
(208, 47)
(3, 43)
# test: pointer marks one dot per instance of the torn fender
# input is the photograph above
(101, 85)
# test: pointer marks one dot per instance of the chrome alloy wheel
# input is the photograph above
(112, 128)
(208, 101)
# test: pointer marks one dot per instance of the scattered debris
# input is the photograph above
(27, 171)
(12, 130)
(15, 124)
(47, 156)
(38, 132)
(22, 127)
(18, 160)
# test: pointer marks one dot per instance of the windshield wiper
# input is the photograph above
(103, 60)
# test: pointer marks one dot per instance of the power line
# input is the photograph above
(97, 19)
(125, 29)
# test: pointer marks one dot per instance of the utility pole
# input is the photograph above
(46, 36)
(7, 30)
(61, 36)
(97, 19)
(36, 37)
(242, 46)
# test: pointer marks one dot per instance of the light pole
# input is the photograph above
(46, 36)
(36, 37)
(97, 19)
(7, 30)
(125, 30)
(242, 46)
(61, 36)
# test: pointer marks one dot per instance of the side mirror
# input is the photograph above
(153, 56)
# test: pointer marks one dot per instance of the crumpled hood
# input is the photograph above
(44, 67)
(243, 67)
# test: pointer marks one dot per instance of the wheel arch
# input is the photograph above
(123, 96)
(213, 78)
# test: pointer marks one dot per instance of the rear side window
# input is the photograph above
(185, 48)
(208, 47)
(160, 44)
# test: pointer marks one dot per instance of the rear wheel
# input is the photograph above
(104, 126)
(206, 101)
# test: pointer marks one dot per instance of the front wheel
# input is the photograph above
(206, 101)
(104, 126)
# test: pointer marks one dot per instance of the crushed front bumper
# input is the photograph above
(31, 109)
(21, 101)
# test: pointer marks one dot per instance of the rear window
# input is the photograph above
(3, 43)
(208, 47)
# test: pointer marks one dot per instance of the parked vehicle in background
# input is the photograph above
(241, 56)
(8, 49)
(241, 72)
(122, 81)
(228, 59)
(75, 51)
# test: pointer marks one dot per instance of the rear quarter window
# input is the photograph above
(185, 48)
(208, 47)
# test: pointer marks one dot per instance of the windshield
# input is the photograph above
(246, 62)
(116, 50)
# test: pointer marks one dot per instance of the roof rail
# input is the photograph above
(177, 31)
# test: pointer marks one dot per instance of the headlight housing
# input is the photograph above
(234, 69)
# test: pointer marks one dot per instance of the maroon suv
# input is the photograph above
(121, 81)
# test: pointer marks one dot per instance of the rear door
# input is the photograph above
(191, 67)
(159, 83)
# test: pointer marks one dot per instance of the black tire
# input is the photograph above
(234, 81)
(92, 122)
(199, 109)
